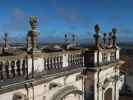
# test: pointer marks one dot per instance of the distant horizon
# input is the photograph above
(58, 17)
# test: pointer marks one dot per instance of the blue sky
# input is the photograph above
(57, 17)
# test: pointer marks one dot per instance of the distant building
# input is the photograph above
(60, 72)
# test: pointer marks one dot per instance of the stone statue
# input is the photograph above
(33, 22)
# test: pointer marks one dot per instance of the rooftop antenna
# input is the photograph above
(66, 38)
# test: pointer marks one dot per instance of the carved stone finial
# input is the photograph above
(97, 28)
(97, 36)
(104, 39)
(5, 40)
(6, 34)
(32, 34)
(114, 30)
(5, 45)
(33, 22)
(66, 39)
(110, 40)
(110, 34)
(65, 36)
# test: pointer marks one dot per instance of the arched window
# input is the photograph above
(1, 70)
(18, 67)
(13, 68)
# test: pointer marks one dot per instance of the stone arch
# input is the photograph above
(74, 92)
(108, 88)
(108, 94)
(64, 92)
